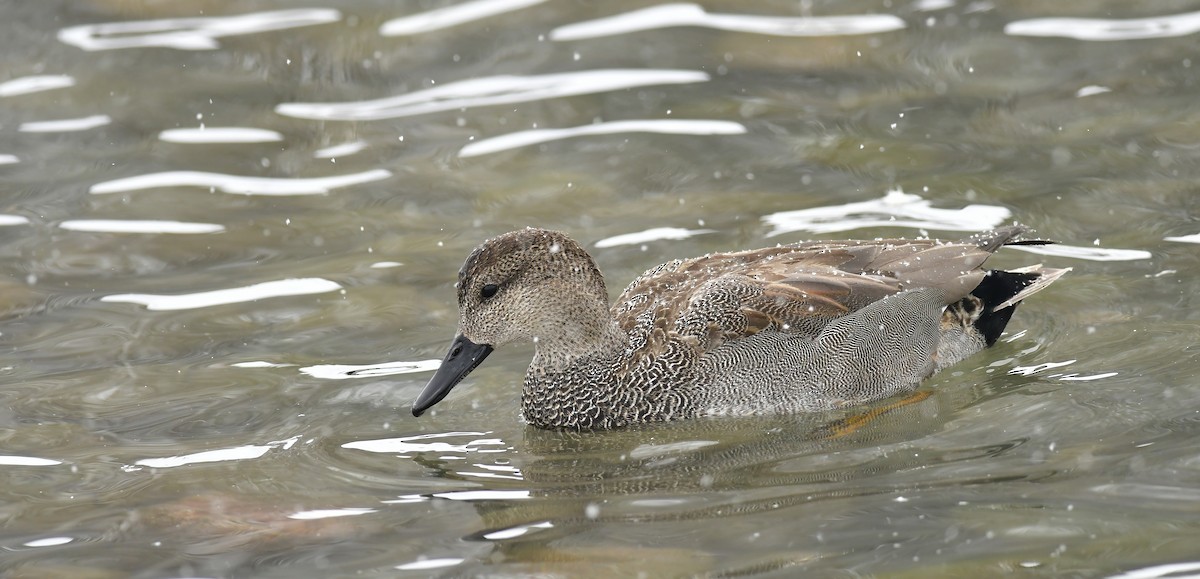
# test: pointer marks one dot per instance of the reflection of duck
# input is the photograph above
(803, 327)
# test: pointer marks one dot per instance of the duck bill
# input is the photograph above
(464, 356)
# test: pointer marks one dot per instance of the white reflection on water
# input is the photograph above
(664, 126)
(329, 513)
(451, 16)
(236, 453)
(1088, 253)
(343, 371)
(258, 291)
(430, 563)
(32, 84)
(140, 226)
(9, 159)
(12, 460)
(650, 235)
(13, 220)
(342, 150)
(517, 531)
(895, 209)
(231, 135)
(492, 90)
(260, 364)
(1168, 571)
(1101, 29)
(671, 15)
(1031, 370)
(483, 495)
(406, 444)
(1092, 89)
(1193, 238)
(50, 542)
(65, 125)
(1072, 377)
(238, 184)
(249, 451)
(190, 33)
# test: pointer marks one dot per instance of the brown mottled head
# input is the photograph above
(511, 286)
(528, 285)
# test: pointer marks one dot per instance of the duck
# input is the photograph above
(803, 327)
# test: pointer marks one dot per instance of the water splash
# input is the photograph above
(492, 90)
(661, 126)
(682, 14)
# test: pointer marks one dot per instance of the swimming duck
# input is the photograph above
(803, 327)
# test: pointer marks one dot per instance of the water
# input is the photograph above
(230, 233)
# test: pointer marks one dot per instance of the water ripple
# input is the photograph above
(65, 125)
(1100, 29)
(342, 150)
(672, 15)
(12, 460)
(139, 226)
(238, 184)
(344, 371)
(1088, 253)
(492, 90)
(896, 209)
(451, 16)
(651, 235)
(662, 126)
(1193, 238)
(190, 33)
(32, 84)
(258, 291)
(206, 135)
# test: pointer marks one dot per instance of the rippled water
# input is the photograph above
(230, 232)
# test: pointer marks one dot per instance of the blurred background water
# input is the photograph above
(230, 232)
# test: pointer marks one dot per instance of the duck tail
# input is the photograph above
(1001, 291)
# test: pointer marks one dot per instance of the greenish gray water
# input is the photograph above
(212, 337)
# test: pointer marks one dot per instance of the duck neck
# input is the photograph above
(578, 339)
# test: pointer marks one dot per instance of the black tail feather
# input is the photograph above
(996, 288)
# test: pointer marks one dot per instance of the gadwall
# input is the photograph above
(804, 327)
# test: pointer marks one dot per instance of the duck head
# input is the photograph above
(532, 285)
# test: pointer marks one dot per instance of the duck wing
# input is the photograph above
(794, 289)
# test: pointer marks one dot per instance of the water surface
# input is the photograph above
(230, 233)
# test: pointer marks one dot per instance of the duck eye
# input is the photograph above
(488, 290)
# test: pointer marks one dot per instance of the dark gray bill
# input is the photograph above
(464, 356)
